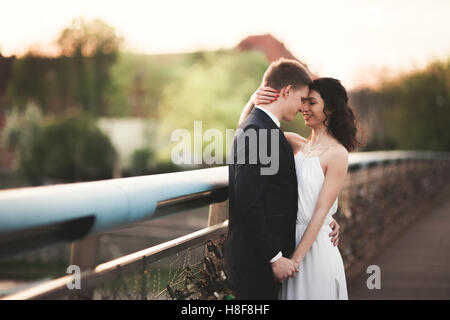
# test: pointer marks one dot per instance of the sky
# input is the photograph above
(355, 41)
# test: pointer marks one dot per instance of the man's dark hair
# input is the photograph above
(284, 72)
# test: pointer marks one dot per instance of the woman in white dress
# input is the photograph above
(321, 166)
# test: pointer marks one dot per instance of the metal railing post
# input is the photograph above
(218, 212)
(84, 254)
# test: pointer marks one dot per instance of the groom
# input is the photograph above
(263, 201)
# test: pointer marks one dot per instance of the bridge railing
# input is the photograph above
(35, 217)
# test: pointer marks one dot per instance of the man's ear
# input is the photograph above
(286, 90)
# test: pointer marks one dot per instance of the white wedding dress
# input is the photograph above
(321, 275)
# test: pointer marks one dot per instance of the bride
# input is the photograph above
(321, 166)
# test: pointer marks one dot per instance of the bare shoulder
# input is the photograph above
(339, 151)
(295, 140)
(337, 156)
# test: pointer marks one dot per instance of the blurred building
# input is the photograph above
(130, 134)
(269, 45)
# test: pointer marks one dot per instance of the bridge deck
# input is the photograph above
(416, 265)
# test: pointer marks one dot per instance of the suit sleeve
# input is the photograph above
(249, 186)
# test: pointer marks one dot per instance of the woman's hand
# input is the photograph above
(265, 95)
(335, 234)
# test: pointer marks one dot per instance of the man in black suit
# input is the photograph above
(263, 195)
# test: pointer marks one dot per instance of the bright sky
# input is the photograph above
(352, 40)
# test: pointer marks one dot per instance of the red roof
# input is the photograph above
(269, 45)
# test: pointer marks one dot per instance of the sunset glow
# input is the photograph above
(351, 40)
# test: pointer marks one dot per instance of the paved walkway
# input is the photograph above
(416, 265)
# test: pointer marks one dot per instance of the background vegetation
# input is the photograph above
(52, 104)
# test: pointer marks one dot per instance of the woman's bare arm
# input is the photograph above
(247, 109)
(264, 95)
(334, 180)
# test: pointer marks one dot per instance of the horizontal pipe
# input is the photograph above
(35, 216)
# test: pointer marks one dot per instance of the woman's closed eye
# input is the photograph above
(312, 101)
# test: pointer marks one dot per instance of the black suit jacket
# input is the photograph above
(262, 208)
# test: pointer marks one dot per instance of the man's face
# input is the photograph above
(294, 101)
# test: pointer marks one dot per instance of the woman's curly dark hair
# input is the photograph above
(340, 120)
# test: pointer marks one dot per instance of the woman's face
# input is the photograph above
(312, 109)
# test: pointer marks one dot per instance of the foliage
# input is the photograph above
(88, 38)
(137, 83)
(78, 78)
(409, 112)
(76, 150)
(417, 107)
(22, 132)
(65, 149)
(32, 270)
(212, 88)
(19, 128)
(142, 161)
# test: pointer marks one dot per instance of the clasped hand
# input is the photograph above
(284, 269)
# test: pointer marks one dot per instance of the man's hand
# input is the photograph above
(283, 269)
(335, 234)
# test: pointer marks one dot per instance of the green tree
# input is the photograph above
(78, 78)
(142, 161)
(93, 47)
(21, 133)
(213, 88)
(76, 150)
(138, 81)
(65, 149)
(417, 108)
(411, 111)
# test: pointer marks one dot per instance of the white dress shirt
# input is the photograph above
(277, 122)
(271, 115)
